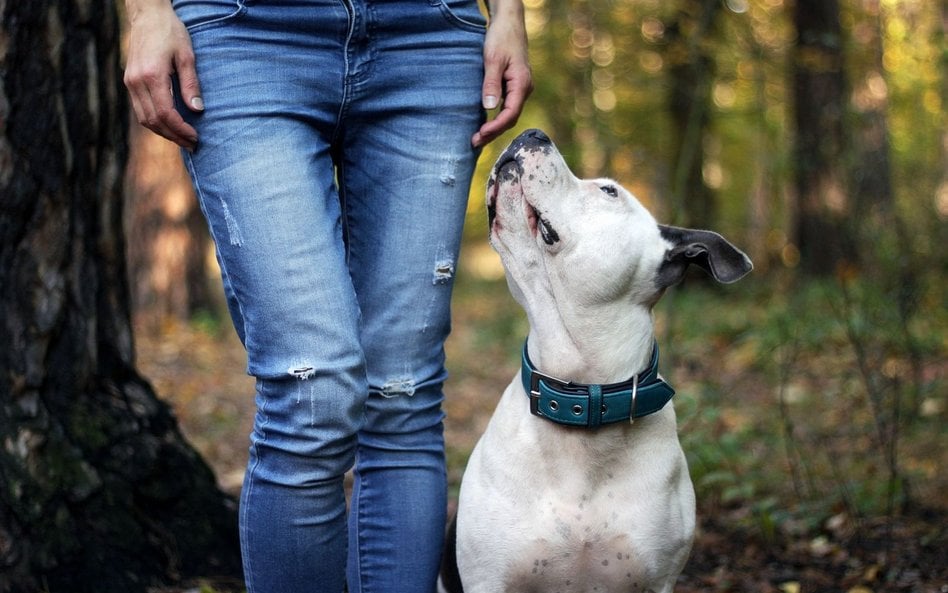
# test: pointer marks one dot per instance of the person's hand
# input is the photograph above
(158, 48)
(507, 77)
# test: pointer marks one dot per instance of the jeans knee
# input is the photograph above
(306, 425)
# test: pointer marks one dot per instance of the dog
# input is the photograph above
(579, 483)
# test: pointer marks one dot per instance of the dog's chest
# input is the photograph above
(603, 562)
(571, 511)
(583, 545)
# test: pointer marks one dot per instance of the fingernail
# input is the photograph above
(490, 102)
(197, 103)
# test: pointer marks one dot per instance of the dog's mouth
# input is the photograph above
(538, 223)
(509, 168)
(547, 232)
(533, 217)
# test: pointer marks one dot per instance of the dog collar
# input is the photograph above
(577, 404)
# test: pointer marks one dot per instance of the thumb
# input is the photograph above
(492, 89)
(188, 80)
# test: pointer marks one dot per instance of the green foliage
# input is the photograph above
(602, 73)
(210, 322)
(819, 397)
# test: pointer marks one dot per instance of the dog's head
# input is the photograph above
(588, 241)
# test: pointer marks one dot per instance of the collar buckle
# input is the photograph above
(535, 378)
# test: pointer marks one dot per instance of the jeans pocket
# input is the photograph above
(464, 14)
(198, 15)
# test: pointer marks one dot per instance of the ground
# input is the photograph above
(744, 543)
(904, 554)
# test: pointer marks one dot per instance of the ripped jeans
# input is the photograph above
(333, 167)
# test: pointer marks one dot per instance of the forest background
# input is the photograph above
(811, 395)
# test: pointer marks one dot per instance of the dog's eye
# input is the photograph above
(609, 190)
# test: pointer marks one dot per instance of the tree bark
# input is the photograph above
(98, 489)
(819, 99)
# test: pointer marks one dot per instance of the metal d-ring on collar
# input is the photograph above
(578, 404)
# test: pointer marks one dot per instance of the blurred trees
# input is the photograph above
(752, 115)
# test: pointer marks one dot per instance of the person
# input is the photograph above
(331, 144)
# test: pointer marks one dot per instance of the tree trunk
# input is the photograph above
(691, 72)
(873, 195)
(98, 490)
(819, 154)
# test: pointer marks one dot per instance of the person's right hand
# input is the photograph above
(158, 48)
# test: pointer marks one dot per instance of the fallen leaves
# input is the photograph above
(902, 554)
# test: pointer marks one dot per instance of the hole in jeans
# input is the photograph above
(304, 372)
(397, 387)
(443, 272)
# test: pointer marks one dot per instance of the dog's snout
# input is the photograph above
(530, 140)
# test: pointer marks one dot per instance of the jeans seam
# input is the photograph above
(251, 471)
(344, 209)
(360, 536)
(344, 100)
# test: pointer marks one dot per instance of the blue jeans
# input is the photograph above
(333, 166)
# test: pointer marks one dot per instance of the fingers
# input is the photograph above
(159, 48)
(153, 104)
(519, 85)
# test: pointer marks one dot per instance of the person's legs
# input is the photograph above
(406, 169)
(272, 78)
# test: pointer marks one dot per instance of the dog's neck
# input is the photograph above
(603, 346)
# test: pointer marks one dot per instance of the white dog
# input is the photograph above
(579, 483)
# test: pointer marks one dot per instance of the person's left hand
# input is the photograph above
(508, 80)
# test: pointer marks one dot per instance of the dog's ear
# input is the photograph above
(706, 249)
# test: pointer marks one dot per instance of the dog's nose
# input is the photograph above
(534, 137)
(530, 140)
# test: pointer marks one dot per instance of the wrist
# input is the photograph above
(505, 8)
(135, 9)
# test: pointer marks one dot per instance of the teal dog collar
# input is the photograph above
(577, 404)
